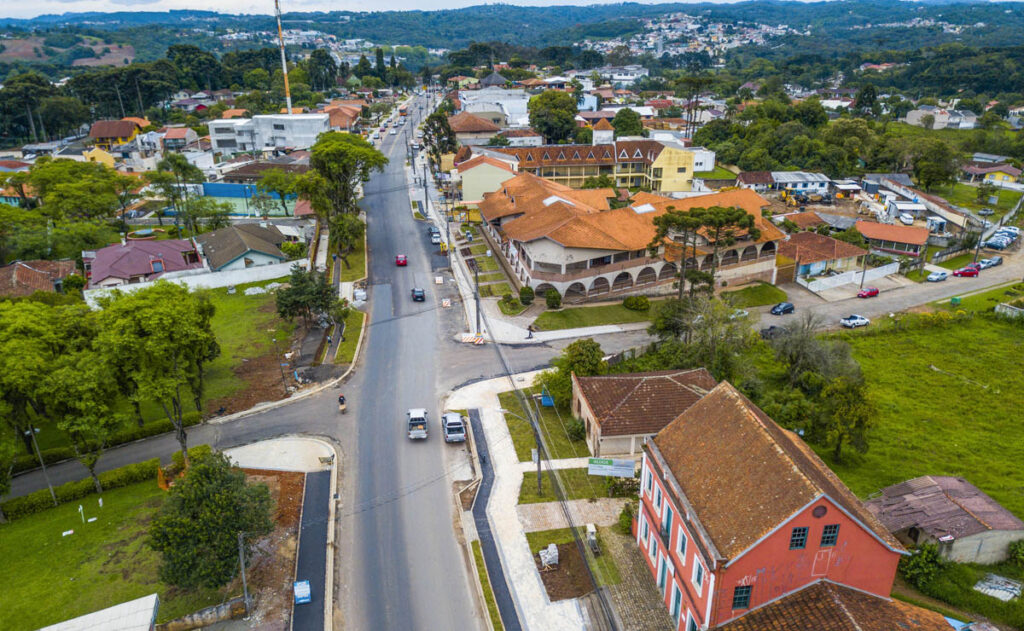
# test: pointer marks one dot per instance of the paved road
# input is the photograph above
(312, 563)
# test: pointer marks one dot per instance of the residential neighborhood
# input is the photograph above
(512, 317)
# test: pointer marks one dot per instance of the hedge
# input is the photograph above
(54, 455)
(116, 478)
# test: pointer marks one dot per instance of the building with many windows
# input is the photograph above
(738, 514)
(267, 132)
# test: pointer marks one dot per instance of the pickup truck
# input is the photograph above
(453, 427)
(417, 423)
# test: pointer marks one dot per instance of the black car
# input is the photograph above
(418, 295)
(783, 308)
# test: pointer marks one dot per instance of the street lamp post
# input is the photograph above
(536, 439)
(32, 433)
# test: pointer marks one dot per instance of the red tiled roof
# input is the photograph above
(125, 261)
(603, 125)
(551, 155)
(811, 247)
(827, 606)
(177, 133)
(725, 452)
(888, 232)
(805, 220)
(519, 133)
(14, 165)
(113, 129)
(23, 278)
(482, 159)
(643, 402)
(466, 123)
(755, 177)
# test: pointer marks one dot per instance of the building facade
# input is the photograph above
(267, 132)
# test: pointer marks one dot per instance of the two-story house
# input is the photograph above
(177, 138)
(737, 513)
(105, 134)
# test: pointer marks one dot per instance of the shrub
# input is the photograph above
(922, 566)
(625, 525)
(637, 303)
(526, 295)
(553, 299)
(576, 430)
(1016, 553)
(178, 462)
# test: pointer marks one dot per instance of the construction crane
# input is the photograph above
(284, 63)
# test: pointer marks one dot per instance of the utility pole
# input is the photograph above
(476, 272)
(536, 439)
(46, 476)
(241, 563)
(864, 270)
(284, 63)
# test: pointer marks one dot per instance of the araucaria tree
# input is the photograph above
(197, 528)
(163, 340)
(438, 136)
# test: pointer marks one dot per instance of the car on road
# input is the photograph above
(991, 262)
(453, 427)
(393, 132)
(936, 277)
(985, 212)
(401, 260)
(419, 295)
(868, 292)
(417, 422)
(853, 321)
(966, 272)
(783, 308)
(772, 332)
(906, 219)
(432, 229)
(435, 238)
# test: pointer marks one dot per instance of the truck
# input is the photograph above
(453, 427)
(417, 423)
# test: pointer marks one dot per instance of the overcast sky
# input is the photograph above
(22, 9)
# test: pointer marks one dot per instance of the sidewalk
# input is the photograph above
(535, 609)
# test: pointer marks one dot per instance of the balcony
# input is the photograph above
(594, 271)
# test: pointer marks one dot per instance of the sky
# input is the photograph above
(16, 9)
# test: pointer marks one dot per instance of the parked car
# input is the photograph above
(853, 321)
(906, 219)
(936, 277)
(991, 262)
(435, 238)
(453, 427)
(401, 260)
(417, 422)
(393, 131)
(432, 229)
(985, 212)
(1011, 229)
(772, 332)
(868, 292)
(739, 313)
(997, 244)
(418, 295)
(783, 308)
(966, 272)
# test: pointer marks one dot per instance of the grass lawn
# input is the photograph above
(576, 317)
(418, 215)
(357, 264)
(986, 300)
(347, 349)
(511, 308)
(955, 422)
(553, 429)
(718, 173)
(756, 295)
(604, 568)
(497, 289)
(959, 261)
(577, 484)
(104, 563)
(918, 275)
(480, 248)
(492, 276)
(485, 582)
(486, 264)
(966, 195)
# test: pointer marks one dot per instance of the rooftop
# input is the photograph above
(643, 402)
(113, 129)
(135, 258)
(890, 232)
(941, 506)
(811, 247)
(227, 244)
(466, 123)
(24, 278)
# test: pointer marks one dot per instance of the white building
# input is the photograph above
(625, 75)
(801, 181)
(268, 131)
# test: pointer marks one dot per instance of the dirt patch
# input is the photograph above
(262, 377)
(466, 495)
(272, 567)
(116, 56)
(569, 579)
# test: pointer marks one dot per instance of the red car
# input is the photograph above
(400, 260)
(966, 271)
(868, 292)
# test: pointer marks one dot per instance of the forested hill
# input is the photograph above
(541, 26)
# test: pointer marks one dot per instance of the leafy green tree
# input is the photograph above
(583, 136)
(985, 190)
(682, 227)
(257, 79)
(553, 114)
(721, 227)
(584, 358)
(62, 114)
(19, 100)
(162, 338)
(380, 69)
(321, 69)
(600, 181)
(866, 98)
(935, 162)
(8, 452)
(340, 163)
(279, 182)
(627, 123)
(922, 566)
(438, 137)
(172, 176)
(293, 250)
(847, 417)
(346, 232)
(363, 68)
(71, 189)
(197, 528)
(851, 235)
(499, 140)
(308, 293)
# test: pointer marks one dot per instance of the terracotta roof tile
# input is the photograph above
(805, 220)
(466, 123)
(827, 606)
(755, 177)
(112, 129)
(889, 232)
(24, 278)
(643, 402)
(603, 125)
(811, 247)
(724, 451)
(482, 159)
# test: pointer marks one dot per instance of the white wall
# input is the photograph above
(258, 259)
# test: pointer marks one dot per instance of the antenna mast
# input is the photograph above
(284, 64)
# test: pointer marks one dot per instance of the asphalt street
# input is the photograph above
(312, 562)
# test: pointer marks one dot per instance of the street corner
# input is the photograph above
(289, 453)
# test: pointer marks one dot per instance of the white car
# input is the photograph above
(907, 219)
(854, 321)
(393, 131)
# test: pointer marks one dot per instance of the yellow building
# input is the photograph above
(99, 155)
(1006, 174)
(107, 134)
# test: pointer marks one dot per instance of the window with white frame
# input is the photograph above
(681, 546)
(691, 623)
(698, 576)
(677, 602)
(652, 547)
(650, 481)
(657, 497)
(643, 528)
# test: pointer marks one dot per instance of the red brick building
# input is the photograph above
(737, 513)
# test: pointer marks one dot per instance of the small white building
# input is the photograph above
(267, 131)
(801, 181)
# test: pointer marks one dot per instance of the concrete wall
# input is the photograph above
(258, 259)
(985, 547)
(670, 160)
(483, 178)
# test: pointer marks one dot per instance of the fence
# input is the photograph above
(231, 189)
(202, 279)
(948, 253)
(846, 278)
(1009, 310)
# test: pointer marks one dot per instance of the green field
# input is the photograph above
(347, 348)
(552, 428)
(604, 568)
(577, 484)
(958, 261)
(718, 173)
(756, 295)
(965, 195)
(956, 420)
(357, 263)
(576, 317)
(985, 300)
(48, 578)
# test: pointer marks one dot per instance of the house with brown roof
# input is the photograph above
(759, 181)
(482, 174)
(817, 253)
(556, 237)
(737, 513)
(177, 138)
(24, 278)
(894, 239)
(139, 261)
(242, 246)
(967, 524)
(107, 133)
(807, 220)
(470, 129)
(621, 411)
